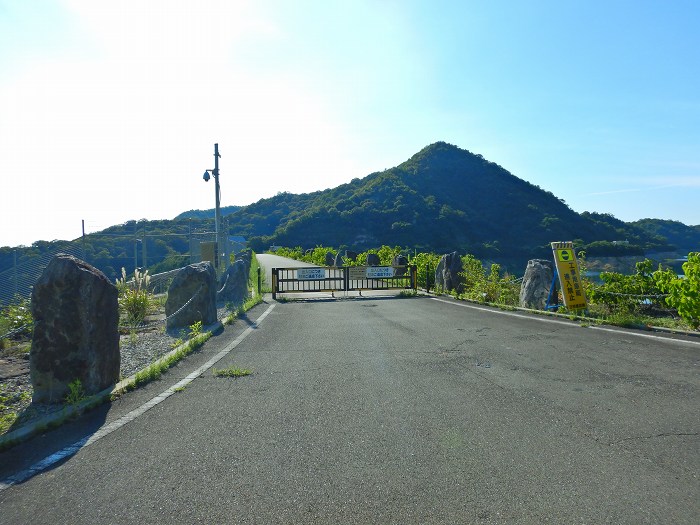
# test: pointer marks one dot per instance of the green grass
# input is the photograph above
(8, 416)
(155, 370)
(231, 371)
(6, 421)
(11, 407)
(195, 329)
(76, 392)
(247, 305)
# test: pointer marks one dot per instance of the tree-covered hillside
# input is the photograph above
(205, 214)
(685, 238)
(441, 199)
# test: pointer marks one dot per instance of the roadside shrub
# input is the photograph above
(473, 274)
(387, 254)
(488, 288)
(425, 263)
(291, 253)
(195, 329)
(134, 298)
(628, 293)
(684, 292)
(318, 255)
(76, 392)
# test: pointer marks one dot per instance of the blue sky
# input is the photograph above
(109, 110)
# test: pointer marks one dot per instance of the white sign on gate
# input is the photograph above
(310, 274)
(380, 272)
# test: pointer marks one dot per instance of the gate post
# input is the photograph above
(414, 277)
(274, 284)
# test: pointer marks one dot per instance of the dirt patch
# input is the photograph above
(13, 367)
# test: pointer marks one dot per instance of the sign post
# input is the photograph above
(569, 275)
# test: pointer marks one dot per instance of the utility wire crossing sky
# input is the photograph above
(109, 111)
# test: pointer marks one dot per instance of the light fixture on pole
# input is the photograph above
(217, 210)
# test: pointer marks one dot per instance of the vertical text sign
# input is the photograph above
(569, 275)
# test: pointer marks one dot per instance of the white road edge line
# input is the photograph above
(70, 450)
(545, 319)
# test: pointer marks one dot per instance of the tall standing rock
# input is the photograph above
(373, 259)
(76, 330)
(536, 284)
(234, 288)
(330, 259)
(192, 294)
(247, 257)
(400, 260)
(447, 273)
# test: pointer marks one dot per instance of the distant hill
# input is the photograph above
(443, 198)
(685, 238)
(205, 214)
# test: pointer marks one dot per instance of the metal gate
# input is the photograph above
(342, 279)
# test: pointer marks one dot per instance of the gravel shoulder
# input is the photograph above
(139, 348)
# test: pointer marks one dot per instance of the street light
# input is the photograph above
(217, 210)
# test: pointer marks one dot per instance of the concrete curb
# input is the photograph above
(592, 320)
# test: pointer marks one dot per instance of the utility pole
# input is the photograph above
(217, 211)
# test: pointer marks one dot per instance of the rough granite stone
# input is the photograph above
(234, 288)
(76, 330)
(400, 260)
(247, 257)
(196, 282)
(447, 273)
(537, 281)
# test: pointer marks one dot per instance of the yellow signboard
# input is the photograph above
(569, 275)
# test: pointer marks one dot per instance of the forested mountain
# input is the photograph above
(685, 238)
(442, 199)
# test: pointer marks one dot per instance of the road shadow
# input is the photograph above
(58, 433)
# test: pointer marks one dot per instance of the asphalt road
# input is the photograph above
(269, 261)
(388, 410)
